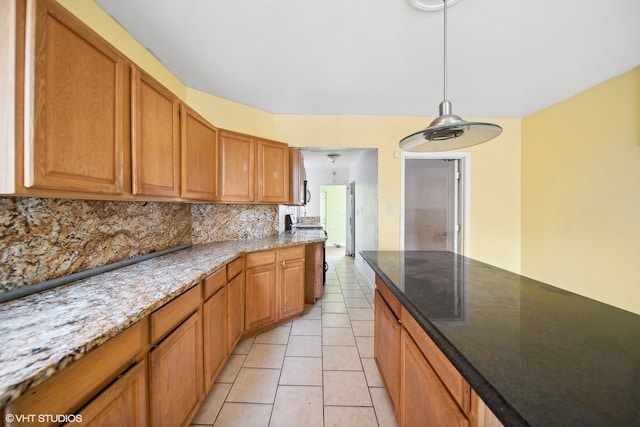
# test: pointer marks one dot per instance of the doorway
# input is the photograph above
(433, 202)
(334, 214)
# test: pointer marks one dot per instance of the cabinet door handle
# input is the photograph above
(283, 263)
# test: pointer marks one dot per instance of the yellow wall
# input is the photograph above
(581, 193)
(110, 30)
(495, 166)
(494, 234)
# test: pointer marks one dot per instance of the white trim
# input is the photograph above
(7, 95)
(465, 170)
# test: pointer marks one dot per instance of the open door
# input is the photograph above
(432, 205)
(351, 219)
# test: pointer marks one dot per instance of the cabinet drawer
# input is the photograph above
(387, 295)
(448, 374)
(214, 283)
(166, 318)
(261, 258)
(69, 389)
(294, 252)
(234, 268)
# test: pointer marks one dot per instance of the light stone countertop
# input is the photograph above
(42, 333)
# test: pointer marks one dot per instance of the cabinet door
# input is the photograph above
(124, 403)
(155, 137)
(175, 386)
(424, 401)
(314, 268)
(235, 311)
(74, 106)
(292, 282)
(386, 348)
(199, 177)
(237, 167)
(214, 315)
(273, 172)
(260, 297)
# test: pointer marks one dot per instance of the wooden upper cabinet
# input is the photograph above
(199, 177)
(155, 137)
(273, 172)
(75, 112)
(237, 167)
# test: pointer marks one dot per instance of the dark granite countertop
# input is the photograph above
(536, 354)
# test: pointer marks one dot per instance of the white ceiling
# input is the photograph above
(381, 57)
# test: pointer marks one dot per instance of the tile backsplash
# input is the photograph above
(42, 239)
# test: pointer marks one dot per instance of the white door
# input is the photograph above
(432, 204)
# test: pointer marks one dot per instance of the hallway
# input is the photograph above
(317, 370)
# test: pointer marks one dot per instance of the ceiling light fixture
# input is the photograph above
(332, 157)
(448, 131)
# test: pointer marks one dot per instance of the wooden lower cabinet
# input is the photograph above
(424, 387)
(386, 348)
(261, 300)
(214, 317)
(123, 403)
(424, 401)
(235, 310)
(291, 277)
(175, 380)
(314, 269)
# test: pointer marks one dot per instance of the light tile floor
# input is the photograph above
(317, 370)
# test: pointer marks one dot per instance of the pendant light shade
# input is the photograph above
(448, 131)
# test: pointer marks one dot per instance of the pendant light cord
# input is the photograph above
(445, 49)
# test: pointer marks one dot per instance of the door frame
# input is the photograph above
(464, 196)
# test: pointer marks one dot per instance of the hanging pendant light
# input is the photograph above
(448, 131)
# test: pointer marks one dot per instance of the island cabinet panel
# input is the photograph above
(237, 167)
(214, 316)
(235, 302)
(292, 277)
(424, 400)
(123, 403)
(273, 172)
(155, 132)
(199, 157)
(447, 373)
(175, 380)
(70, 389)
(386, 348)
(74, 99)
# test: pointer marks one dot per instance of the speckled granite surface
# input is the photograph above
(42, 333)
(41, 239)
(216, 223)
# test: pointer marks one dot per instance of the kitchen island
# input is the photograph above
(535, 354)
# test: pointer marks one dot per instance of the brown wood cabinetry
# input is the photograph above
(261, 298)
(237, 167)
(123, 403)
(424, 400)
(75, 113)
(314, 272)
(235, 302)
(175, 378)
(297, 177)
(67, 391)
(386, 348)
(273, 172)
(199, 177)
(292, 276)
(424, 387)
(214, 325)
(155, 137)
